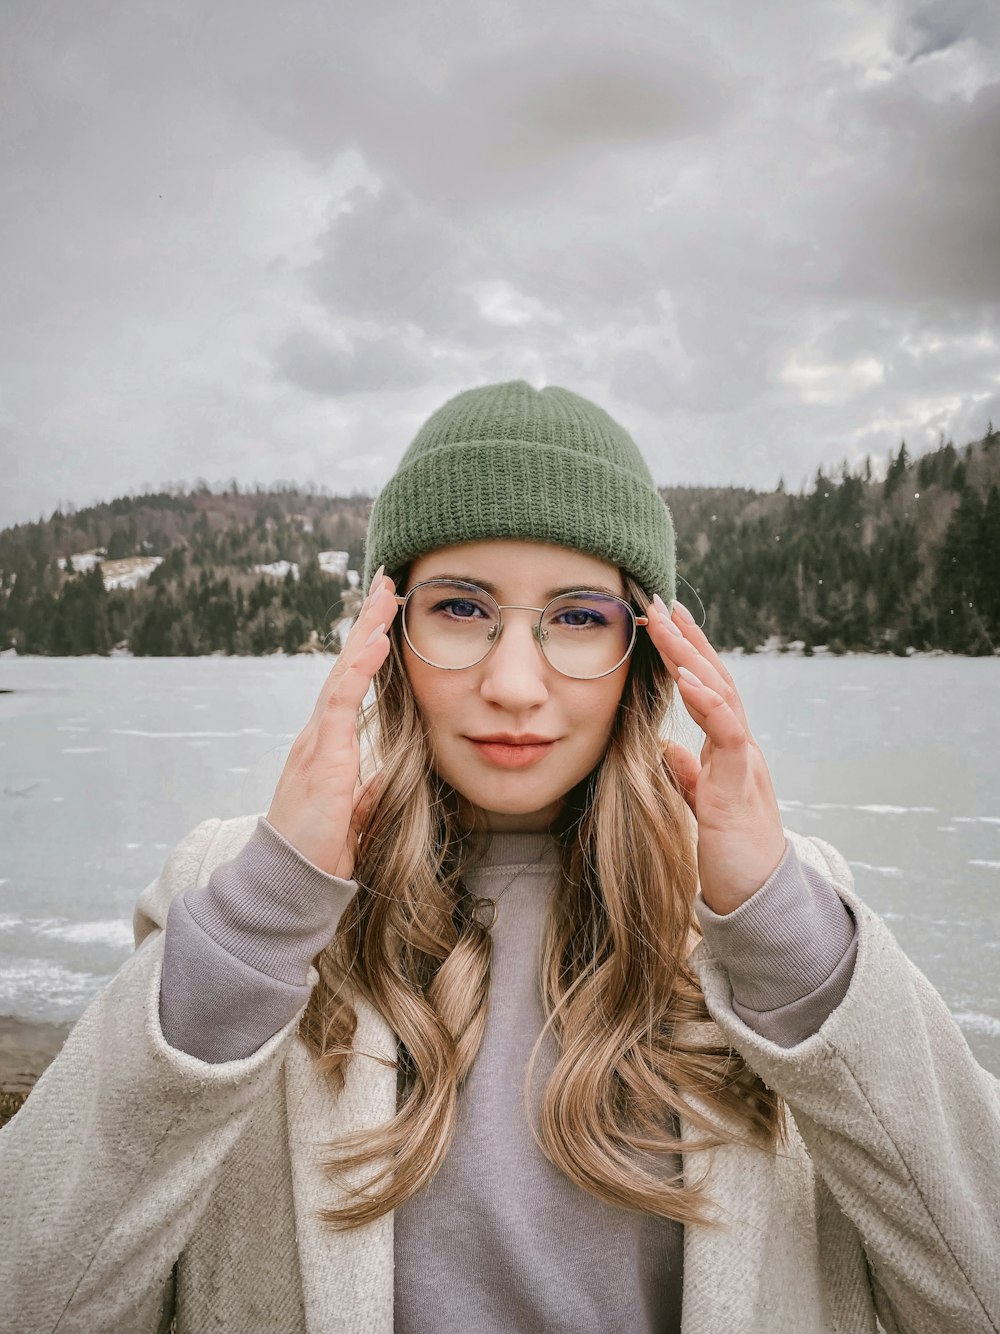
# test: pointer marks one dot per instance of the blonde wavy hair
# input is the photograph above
(637, 1048)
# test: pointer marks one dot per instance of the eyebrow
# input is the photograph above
(493, 590)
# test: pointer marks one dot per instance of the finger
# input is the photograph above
(694, 635)
(337, 711)
(349, 857)
(364, 798)
(718, 719)
(678, 650)
(365, 650)
(684, 767)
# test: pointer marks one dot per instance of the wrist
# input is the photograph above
(725, 894)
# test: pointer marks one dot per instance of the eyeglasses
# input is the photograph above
(451, 624)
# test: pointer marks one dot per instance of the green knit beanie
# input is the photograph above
(507, 460)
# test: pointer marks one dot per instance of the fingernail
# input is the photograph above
(660, 605)
(683, 612)
(375, 578)
(688, 676)
(669, 625)
(374, 634)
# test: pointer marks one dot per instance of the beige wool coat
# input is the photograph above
(139, 1184)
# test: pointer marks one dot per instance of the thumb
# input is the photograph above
(364, 795)
(685, 769)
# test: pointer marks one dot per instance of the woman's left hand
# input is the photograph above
(740, 835)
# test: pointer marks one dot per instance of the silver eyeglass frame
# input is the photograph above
(536, 629)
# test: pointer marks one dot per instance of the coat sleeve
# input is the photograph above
(900, 1121)
(105, 1170)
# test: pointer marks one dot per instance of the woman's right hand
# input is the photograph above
(317, 800)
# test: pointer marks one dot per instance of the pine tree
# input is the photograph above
(988, 562)
(897, 470)
(957, 581)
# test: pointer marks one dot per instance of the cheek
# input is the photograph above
(593, 711)
(430, 688)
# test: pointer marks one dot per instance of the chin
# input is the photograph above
(515, 799)
(516, 803)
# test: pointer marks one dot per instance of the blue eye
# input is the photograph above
(451, 603)
(592, 618)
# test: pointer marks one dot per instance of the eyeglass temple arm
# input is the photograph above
(400, 599)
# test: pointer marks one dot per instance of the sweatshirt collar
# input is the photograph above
(520, 848)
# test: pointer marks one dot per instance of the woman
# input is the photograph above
(543, 1026)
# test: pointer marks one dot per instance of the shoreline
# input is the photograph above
(27, 1047)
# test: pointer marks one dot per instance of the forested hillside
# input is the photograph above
(912, 562)
(205, 594)
(908, 563)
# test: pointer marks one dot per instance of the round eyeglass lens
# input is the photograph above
(452, 625)
(587, 634)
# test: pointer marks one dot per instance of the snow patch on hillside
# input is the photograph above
(126, 573)
(330, 562)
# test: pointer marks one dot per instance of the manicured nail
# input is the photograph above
(688, 676)
(660, 605)
(683, 612)
(375, 578)
(374, 634)
(668, 624)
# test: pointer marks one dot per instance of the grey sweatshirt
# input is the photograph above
(499, 1239)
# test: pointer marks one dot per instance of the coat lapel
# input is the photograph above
(347, 1277)
(753, 1272)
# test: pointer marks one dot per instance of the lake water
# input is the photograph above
(106, 763)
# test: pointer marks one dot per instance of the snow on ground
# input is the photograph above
(126, 573)
(333, 562)
(330, 562)
(82, 560)
(130, 571)
(279, 568)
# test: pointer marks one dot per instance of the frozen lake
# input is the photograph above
(107, 763)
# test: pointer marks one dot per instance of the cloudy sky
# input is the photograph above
(265, 241)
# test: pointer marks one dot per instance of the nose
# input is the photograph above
(514, 672)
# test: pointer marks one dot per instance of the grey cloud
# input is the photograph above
(393, 258)
(478, 121)
(926, 29)
(920, 220)
(930, 29)
(384, 363)
(708, 363)
(558, 93)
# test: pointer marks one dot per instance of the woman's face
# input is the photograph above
(514, 689)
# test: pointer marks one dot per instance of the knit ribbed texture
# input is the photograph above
(511, 461)
(789, 951)
(272, 908)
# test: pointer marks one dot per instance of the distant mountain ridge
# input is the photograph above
(906, 564)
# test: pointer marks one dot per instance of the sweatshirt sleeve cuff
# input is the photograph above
(237, 953)
(788, 950)
(212, 1006)
(270, 908)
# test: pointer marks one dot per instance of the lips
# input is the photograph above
(515, 739)
(506, 755)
